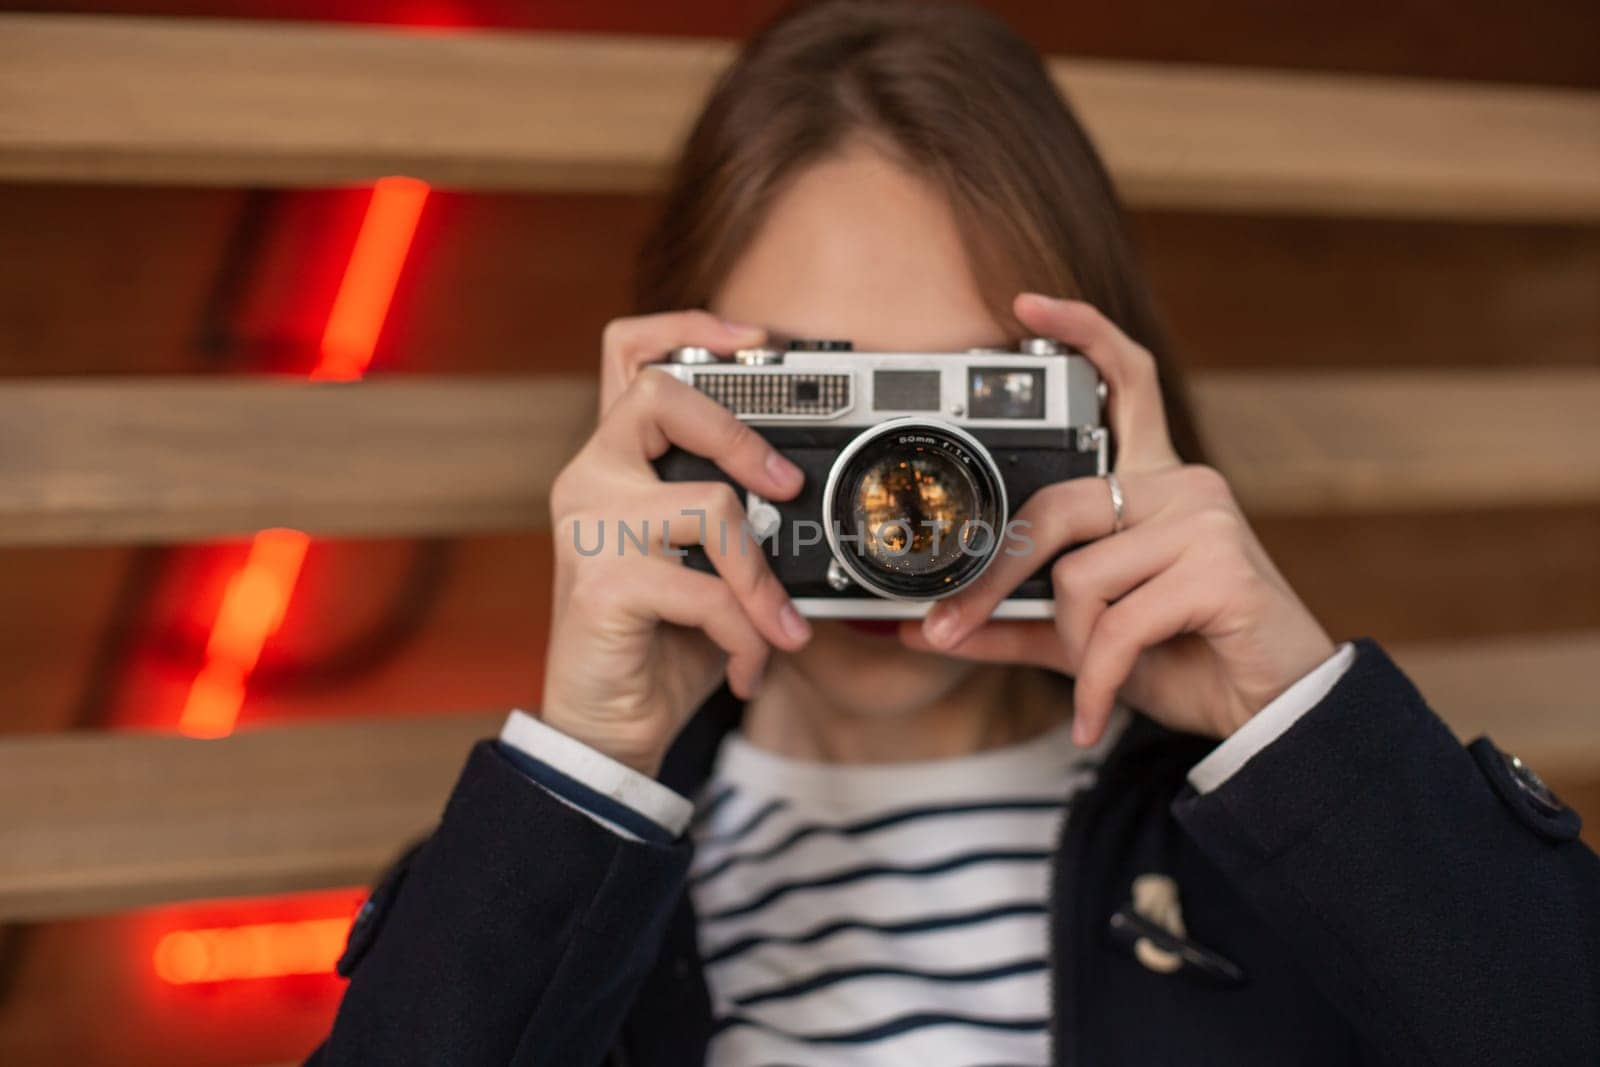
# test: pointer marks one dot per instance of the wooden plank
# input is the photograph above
(1536, 696)
(1298, 442)
(98, 822)
(100, 460)
(178, 459)
(1259, 141)
(93, 822)
(114, 99)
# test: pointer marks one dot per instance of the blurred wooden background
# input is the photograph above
(1391, 311)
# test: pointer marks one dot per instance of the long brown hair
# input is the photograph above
(956, 96)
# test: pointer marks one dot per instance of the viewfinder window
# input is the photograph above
(1005, 393)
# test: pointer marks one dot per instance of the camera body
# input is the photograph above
(915, 464)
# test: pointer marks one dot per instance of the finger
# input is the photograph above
(1162, 608)
(689, 598)
(711, 515)
(1138, 418)
(628, 344)
(658, 411)
(1009, 641)
(1055, 517)
(1088, 580)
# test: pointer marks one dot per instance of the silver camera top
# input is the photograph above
(1040, 384)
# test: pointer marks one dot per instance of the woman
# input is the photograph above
(951, 842)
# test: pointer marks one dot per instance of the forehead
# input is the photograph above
(858, 248)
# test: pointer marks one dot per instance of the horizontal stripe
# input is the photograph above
(912, 843)
(968, 947)
(845, 974)
(734, 835)
(925, 924)
(893, 1027)
(858, 1005)
(809, 830)
(705, 809)
(973, 947)
(929, 1047)
(860, 874)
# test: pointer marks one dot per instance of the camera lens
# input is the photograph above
(913, 509)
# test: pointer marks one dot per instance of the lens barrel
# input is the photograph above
(914, 509)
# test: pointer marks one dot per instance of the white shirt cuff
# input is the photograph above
(599, 772)
(1268, 724)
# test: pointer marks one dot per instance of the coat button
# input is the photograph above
(1524, 793)
(1533, 786)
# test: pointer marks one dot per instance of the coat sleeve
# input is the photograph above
(1437, 893)
(518, 933)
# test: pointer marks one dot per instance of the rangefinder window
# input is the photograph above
(1005, 393)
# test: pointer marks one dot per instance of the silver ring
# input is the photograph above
(1116, 502)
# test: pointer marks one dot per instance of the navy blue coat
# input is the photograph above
(1389, 896)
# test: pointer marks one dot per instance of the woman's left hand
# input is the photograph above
(1180, 613)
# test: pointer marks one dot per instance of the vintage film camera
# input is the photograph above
(914, 463)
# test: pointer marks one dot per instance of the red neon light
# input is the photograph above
(368, 286)
(252, 609)
(258, 593)
(260, 950)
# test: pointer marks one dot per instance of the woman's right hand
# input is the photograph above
(637, 640)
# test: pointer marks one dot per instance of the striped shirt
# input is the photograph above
(883, 914)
